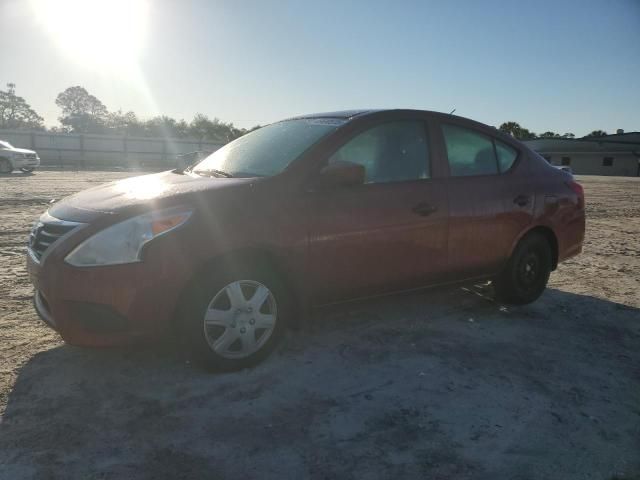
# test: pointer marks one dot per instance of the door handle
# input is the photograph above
(424, 209)
(521, 200)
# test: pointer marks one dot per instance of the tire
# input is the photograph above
(5, 166)
(27, 169)
(223, 330)
(527, 272)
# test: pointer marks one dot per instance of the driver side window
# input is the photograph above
(391, 152)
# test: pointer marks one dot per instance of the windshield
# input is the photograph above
(268, 150)
(5, 144)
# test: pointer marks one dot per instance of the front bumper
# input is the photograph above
(26, 162)
(42, 308)
(106, 306)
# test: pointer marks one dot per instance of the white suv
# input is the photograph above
(12, 158)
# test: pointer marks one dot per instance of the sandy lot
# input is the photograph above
(443, 384)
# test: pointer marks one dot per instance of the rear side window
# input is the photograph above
(469, 153)
(506, 155)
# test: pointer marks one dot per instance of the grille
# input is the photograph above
(30, 155)
(46, 232)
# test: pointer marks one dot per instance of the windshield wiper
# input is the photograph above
(213, 172)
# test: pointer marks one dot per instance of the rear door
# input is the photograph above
(389, 233)
(487, 207)
(519, 191)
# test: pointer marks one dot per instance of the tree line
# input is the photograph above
(85, 113)
(514, 129)
(82, 112)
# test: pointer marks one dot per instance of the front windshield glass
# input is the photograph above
(268, 150)
(5, 144)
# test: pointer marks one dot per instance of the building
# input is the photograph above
(617, 154)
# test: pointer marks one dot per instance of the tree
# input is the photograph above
(203, 128)
(235, 132)
(124, 123)
(84, 113)
(181, 128)
(515, 130)
(568, 135)
(15, 112)
(200, 127)
(597, 133)
(512, 128)
(81, 111)
(164, 126)
(549, 135)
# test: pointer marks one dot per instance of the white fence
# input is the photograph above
(104, 151)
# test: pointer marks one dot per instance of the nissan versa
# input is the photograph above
(303, 212)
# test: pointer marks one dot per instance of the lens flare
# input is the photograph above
(99, 34)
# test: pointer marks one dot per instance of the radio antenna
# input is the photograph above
(451, 112)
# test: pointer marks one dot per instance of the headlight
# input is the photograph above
(123, 242)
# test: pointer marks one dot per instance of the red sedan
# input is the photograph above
(306, 211)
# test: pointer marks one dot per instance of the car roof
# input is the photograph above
(349, 115)
(344, 114)
(352, 114)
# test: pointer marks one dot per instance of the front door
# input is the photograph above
(389, 233)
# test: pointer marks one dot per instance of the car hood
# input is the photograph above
(20, 150)
(137, 192)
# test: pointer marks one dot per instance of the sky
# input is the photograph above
(564, 66)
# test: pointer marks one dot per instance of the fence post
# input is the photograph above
(125, 152)
(164, 153)
(82, 159)
(33, 140)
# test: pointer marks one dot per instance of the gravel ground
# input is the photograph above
(441, 384)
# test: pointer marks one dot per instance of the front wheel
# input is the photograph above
(5, 166)
(27, 169)
(234, 320)
(527, 272)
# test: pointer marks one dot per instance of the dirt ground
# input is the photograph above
(439, 384)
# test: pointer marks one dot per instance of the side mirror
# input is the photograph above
(341, 174)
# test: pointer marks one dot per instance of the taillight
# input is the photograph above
(578, 190)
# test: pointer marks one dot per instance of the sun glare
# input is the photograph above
(142, 188)
(100, 34)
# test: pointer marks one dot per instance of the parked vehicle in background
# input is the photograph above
(564, 168)
(303, 212)
(12, 158)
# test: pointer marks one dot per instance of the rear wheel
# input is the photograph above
(5, 166)
(233, 320)
(527, 272)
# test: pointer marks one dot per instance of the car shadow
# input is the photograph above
(444, 383)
